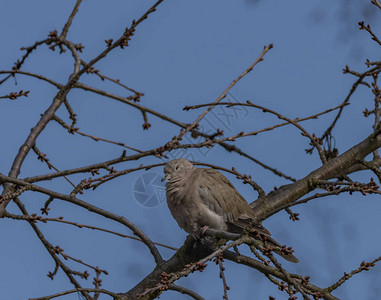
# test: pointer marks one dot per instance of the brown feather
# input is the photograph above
(200, 197)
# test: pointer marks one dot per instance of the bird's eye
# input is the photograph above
(177, 167)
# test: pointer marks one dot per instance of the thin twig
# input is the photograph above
(244, 134)
(367, 28)
(122, 220)
(346, 100)
(52, 82)
(226, 146)
(90, 290)
(313, 140)
(223, 95)
(95, 138)
(121, 42)
(116, 81)
(188, 269)
(375, 2)
(219, 261)
(184, 290)
(266, 269)
(19, 62)
(288, 277)
(245, 178)
(79, 225)
(49, 248)
(41, 156)
(363, 267)
(70, 20)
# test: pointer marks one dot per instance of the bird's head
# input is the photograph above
(176, 168)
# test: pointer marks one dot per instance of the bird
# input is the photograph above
(200, 198)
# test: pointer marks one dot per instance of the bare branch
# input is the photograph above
(333, 168)
(122, 220)
(70, 20)
(346, 100)
(50, 248)
(73, 130)
(185, 291)
(35, 218)
(375, 2)
(363, 267)
(57, 85)
(90, 290)
(223, 95)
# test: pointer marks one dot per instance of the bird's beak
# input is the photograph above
(166, 177)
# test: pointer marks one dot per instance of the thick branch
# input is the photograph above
(333, 168)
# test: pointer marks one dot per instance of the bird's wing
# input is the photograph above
(220, 196)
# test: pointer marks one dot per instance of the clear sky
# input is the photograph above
(187, 53)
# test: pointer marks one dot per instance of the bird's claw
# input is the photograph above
(202, 230)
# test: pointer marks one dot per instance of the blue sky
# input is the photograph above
(187, 53)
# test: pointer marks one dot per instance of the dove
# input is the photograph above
(199, 198)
